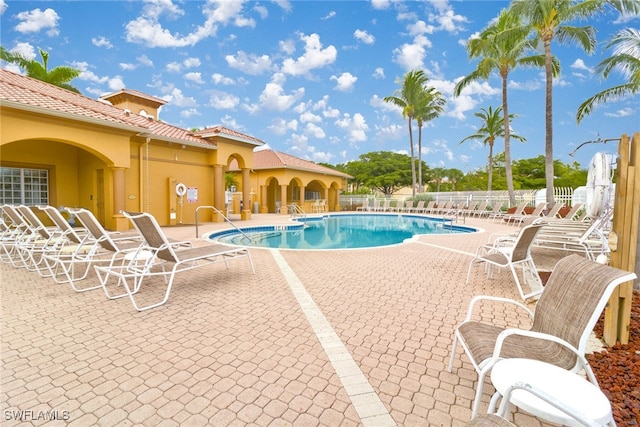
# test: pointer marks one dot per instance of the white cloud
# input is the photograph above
(364, 36)
(392, 132)
(308, 116)
(147, 30)
(223, 100)
(250, 64)
(419, 28)
(410, 56)
(274, 98)
(449, 21)
(528, 85)
(624, 112)
(380, 4)
(144, 60)
(314, 57)
(287, 46)
(472, 95)
(174, 67)
(378, 73)
(314, 130)
(262, 11)
(378, 102)
(579, 64)
(189, 113)
(280, 126)
(194, 77)
(219, 79)
(356, 127)
(231, 123)
(178, 99)
(25, 49)
(37, 20)
(116, 83)
(101, 42)
(3, 6)
(329, 15)
(191, 62)
(284, 4)
(344, 82)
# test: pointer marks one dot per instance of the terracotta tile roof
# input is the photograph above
(30, 92)
(228, 133)
(269, 159)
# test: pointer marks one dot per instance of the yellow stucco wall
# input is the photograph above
(82, 157)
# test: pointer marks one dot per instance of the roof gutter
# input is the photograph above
(70, 116)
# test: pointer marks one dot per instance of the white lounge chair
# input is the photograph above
(159, 257)
(515, 255)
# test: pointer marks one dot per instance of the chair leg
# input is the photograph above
(476, 402)
(453, 351)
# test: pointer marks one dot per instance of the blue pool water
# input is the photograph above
(340, 232)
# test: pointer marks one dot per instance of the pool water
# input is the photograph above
(340, 232)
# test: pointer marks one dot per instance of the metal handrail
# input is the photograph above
(223, 216)
(295, 210)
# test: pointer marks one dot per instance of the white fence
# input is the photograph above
(565, 195)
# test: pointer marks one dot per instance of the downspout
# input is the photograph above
(147, 183)
(140, 178)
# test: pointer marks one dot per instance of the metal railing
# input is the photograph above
(295, 211)
(213, 208)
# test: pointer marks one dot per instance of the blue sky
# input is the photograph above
(308, 77)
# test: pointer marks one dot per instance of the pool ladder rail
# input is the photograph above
(296, 211)
(213, 208)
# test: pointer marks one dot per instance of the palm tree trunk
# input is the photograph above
(507, 143)
(413, 163)
(420, 158)
(490, 169)
(548, 145)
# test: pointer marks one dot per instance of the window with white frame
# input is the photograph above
(24, 186)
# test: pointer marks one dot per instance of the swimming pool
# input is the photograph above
(340, 231)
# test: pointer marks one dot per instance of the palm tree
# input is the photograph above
(626, 59)
(430, 106)
(548, 20)
(407, 98)
(492, 128)
(58, 76)
(502, 54)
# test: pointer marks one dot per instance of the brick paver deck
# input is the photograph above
(355, 337)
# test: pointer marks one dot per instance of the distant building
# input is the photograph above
(64, 149)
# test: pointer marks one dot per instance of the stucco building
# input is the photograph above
(112, 154)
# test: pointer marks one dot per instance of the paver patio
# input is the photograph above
(355, 337)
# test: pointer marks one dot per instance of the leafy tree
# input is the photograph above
(454, 176)
(230, 180)
(549, 20)
(502, 54)
(437, 177)
(530, 173)
(384, 171)
(430, 106)
(492, 128)
(408, 98)
(626, 59)
(569, 175)
(58, 76)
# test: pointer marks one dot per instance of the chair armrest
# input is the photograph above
(480, 298)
